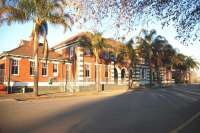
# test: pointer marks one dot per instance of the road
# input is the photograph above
(167, 110)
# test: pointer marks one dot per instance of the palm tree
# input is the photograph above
(40, 12)
(133, 61)
(168, 57)
(96, 44)
(145, 39)
(178, 65)
(189, 64)
(159, 53)
(182, 65)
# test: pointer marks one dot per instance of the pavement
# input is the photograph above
(32, 96)
(165, 110)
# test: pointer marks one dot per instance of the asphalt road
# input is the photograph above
(166, 110)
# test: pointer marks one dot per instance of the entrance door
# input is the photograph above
(115, 76)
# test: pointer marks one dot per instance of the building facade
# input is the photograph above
(71, 67)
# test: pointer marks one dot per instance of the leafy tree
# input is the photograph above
(183, 14)
(40, 12)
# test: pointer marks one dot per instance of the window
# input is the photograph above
(87, 52)
(32, 65)
(55, 69)
(106, 71)
(71, 52)
(15, 67)
(44, 69)
(87, 71)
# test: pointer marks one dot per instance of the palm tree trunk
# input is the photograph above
(36, 75)
(97, 75)
(9, 69)
(36, 62)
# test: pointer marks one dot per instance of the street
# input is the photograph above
(173, 109)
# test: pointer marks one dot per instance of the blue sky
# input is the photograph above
(10, 36)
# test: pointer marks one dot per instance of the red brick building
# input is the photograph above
(17, 67)
(69, 66)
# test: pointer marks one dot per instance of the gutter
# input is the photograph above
(66, 45)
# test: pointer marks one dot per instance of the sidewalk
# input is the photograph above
(31, 96)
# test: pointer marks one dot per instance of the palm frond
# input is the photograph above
(58, 20)
(11, 14)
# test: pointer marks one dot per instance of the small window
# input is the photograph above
(106, 71)
(44, 69)
(32, 65)
(15, 67)
(55, 69)
(87, 71)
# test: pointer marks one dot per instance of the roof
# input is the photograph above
(26, 49)
(87, 36)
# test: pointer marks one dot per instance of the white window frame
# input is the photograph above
(30, 68)
(71, 52)
(106, 67)
(55, 73)
(46, 69)
(89, 69)
(17, 66)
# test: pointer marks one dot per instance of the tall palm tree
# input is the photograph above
(159, 53)
(96, 44)
(40, 12)
(133, 61)
(145, 39)
(168, 58)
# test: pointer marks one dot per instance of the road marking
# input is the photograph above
(186, 123)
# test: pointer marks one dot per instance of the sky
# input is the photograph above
(10, 36)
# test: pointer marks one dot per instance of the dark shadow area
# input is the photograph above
(156, 111)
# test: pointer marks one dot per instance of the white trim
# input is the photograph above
(43, 61)
(55, 62)
(87, 63)
(31, 60)
(15, 58)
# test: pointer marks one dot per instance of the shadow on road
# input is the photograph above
(141, 111)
